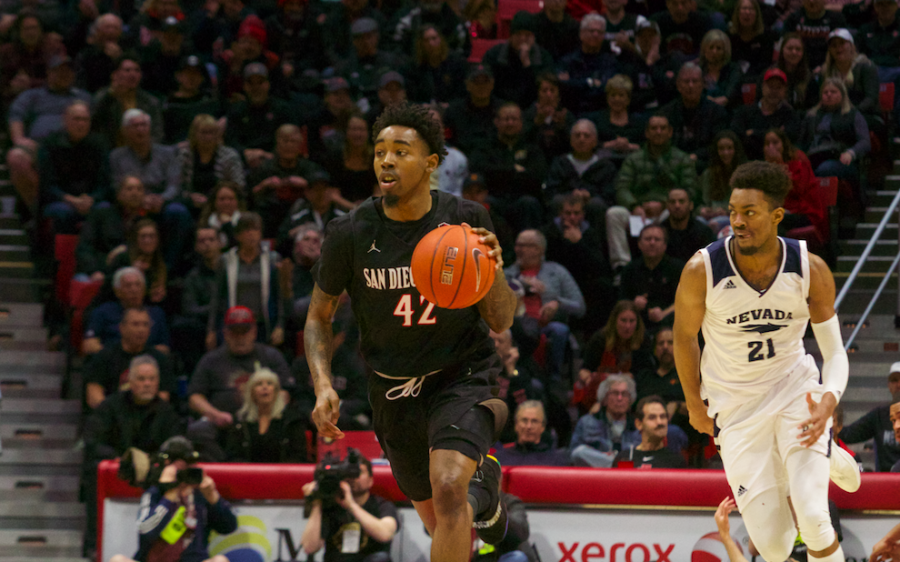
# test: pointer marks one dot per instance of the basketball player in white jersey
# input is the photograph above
(752, 294)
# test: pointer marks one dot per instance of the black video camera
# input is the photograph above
(329, 475)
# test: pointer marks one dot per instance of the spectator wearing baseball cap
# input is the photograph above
(190, 99)
(153, 20)
(248, 278)
(471, 119)
(252, 122)
(391, 90)
(337, 27)
(250, 46)
(750, 122)
(367, 61)
(163, 57)
(323, 127)
(215, 390)
(841, 61)
(517, 63)
(810, 21)
(877, 425)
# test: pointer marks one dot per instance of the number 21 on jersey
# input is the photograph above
(756, 350)
(405, 310)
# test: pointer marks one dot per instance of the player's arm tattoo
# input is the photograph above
(498, 307)
(318, 335)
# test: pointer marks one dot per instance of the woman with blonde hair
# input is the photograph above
(857, 72)
(206, 161)
(265, 429)
(617, 129)
(721, 77)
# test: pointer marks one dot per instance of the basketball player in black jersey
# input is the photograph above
(433, 393)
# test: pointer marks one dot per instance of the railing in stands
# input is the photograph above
(862, 261)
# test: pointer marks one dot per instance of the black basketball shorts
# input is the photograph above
(409, 414)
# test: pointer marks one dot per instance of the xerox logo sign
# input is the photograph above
(616, 552)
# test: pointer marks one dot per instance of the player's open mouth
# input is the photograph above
(387, 181)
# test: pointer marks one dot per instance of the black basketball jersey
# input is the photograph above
(369, 255)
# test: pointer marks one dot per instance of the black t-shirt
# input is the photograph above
(667, 387)
(683, 244)
(204, 175)
(369, 255)
(109, 369)
(337, 521)
(661, 458)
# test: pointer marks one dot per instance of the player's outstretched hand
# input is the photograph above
(489, 238)
(326, 413)
(819, 414)
(726, 507)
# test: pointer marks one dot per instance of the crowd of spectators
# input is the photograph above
(200, 149)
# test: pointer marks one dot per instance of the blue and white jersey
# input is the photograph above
(753, 339)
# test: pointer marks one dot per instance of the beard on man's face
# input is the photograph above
(391, 200)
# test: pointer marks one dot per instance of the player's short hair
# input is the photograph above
(536, 404)
(652, 399)
(417, 117)
(603, 389)
(771, 179)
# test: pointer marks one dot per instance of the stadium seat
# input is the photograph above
(64, 251)
(81, 293)
(480, 47)
(821, 243)
(748, 93)
(886, 97)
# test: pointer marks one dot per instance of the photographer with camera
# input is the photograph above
(178, 512)
(352, 524)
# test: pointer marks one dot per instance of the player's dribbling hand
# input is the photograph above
(819, 414)
(489, 238)
(326, 413)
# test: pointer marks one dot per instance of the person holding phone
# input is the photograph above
(177, 514)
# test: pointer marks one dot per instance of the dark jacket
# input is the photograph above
(289, 431)
(750, 118)
(512, 80)
(584, 91)
(254, 126)
(199, 285)
(559, 39)
(880, 44)
(104, 230)
(445, 83)
(107, 115)
(497, 161)
(533, 454)
(73, 169)
(875, 425)
(847, 132)
(468, 125)
(695, 128)
(599, 179)
(118, 424)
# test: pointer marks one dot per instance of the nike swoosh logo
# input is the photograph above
(477, 253)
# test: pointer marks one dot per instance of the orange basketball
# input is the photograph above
(451, 268)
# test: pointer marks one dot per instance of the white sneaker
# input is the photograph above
(844, 470)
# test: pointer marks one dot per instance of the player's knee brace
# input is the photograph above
(470, 435)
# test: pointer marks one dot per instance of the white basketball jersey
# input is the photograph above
(753, 339)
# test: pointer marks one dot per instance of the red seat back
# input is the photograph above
(828, 190)
(886, 97)
(507, 9)
(64, 251)
(748, 93)
(80, 296)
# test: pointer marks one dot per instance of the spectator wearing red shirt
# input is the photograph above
(802, 204)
